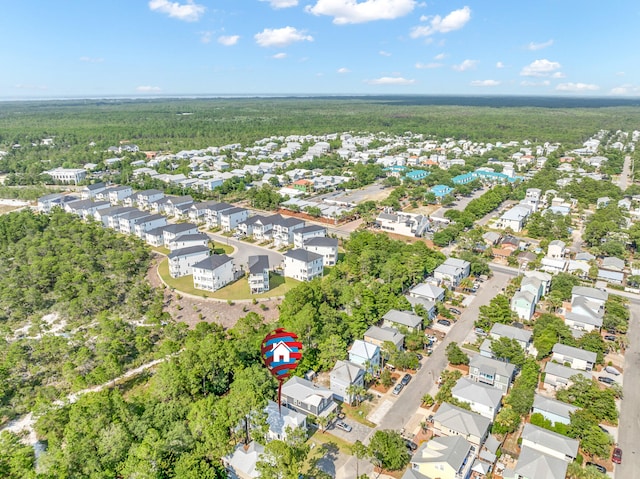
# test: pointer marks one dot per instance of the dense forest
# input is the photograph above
(75, 308)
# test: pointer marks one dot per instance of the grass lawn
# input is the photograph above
(234, 291)
(354, 413)
(321, 438)
(221, 248)
(161, 249)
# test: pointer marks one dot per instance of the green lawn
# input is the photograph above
(161, 249)
(221, 248)
(234, 291)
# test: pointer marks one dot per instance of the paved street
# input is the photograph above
(410, 398)
(624, 180)
(244, 250)
(629, 423)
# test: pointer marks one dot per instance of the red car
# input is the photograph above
(617, 455)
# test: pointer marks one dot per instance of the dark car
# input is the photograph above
(444, 322)
(344, 426)
(610, 337)
(617, 455)
(598, 467)
(405, 379)
(419, 356)
(412, 446)
(606, 380)
(454, 311)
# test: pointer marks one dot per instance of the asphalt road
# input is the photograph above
(629, 422)
(244, 250)
(623, 180)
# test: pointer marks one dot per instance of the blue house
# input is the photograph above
(417, 175)
(464, 179)
(441, 190)
(396, 170)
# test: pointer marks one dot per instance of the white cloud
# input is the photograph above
(384, 54)
(454, 21)
(558, 75)
(148, 89)
(228, 40)
(626, 89)
(577, 87)
(279, 56)
(539, 46)
(390, 81)
(281, 37)
(465, 65)
(425, 66)
(91, 60)
(540, 68)
(535, 83)
(499, 65)
(352, 11)
(485, 83)
(344, 70)
(205, 37)
(189, 12)
(281, 3)
(439, 56)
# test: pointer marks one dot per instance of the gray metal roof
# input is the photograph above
(300, 254)
(180, 227)
(452, 450)
(257, 264)
(212, 262)
(572, 352)
(590, 292)
(321, 241)
(470, 391)
(462, 421)
(405, 318)
(553, 440)
(511, 332)
(563, 372)
(385, 334)
(188, 251)
(533, 464)
(553, 406)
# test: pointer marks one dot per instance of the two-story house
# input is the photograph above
(576, 358)
(325, 247)
(492, 372)
(552, 409)
(534, 465)
(344, 375)
(283, 230)
(557, 376)
(485, 400)
(187, 240)
(281, 421)
(171, 232)
(452, 271)
(302, 265)
(181, 261)
(523, 303)
(89, 192)
(117, 194)
(406, 319)
(308, 398)
(442, 457)
(379, 336)
(302, 235)
(452, 420)
(232, 217)
(213, 272)
(365, 354)
(427, 291)
(550, 443)
(213, 214)
(258, 274)
(144, 199)
(147, 223)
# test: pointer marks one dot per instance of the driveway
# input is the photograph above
(359, 432)
(244, 250)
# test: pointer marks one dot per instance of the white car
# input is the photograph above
(612, 370)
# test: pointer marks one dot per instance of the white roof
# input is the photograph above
(364, 349)
(470, 391)
(533, 464)
(427, 290)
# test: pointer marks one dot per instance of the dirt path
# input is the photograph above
(191, 310)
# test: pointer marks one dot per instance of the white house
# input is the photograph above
(343, 375)
(515, 218)
(258, 274)
(241, 463)
(213, 272)
(67, 175)
(593, 295)
(89, 192)
(282, 420)
(280, 352)
(552, 409)
(544, 278)
(427, 291)
(171, 232)
(187, 240)
(155, 237)
(47, 202)
(181, 261)
(284, 228)
(522, 336)
(557, 249)
(534, 465)
(491, 372)
(550, 443)
(147, 223)
(143, 199)
(452, 271)
(325, 247)
(365, 354)
(118, 193)
(302, 265)
(301, 235)
(557, 376)
(576, 357)
(485, 400)
(214, 212)
(407, 319)
(452, 420)
(232, 217)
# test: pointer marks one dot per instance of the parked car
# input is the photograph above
(397, 389)
(405, 379)
(444, 322)
(598, 467)
(617, 455)
(606, 380)
(612, 370)
(412, 446)
(606, 431)
(454, 311)
(344, 426)
(480, 332)
(419, 356)
(610, 337)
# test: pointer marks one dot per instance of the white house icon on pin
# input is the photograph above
(281, 352)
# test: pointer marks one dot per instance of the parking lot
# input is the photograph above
(358, 431)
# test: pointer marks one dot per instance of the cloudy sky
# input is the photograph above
(191, 47)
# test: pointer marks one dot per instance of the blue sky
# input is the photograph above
(100, 48)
